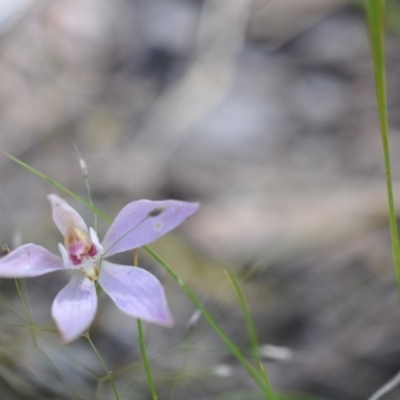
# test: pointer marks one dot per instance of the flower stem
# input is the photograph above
(58, 186)
(89, 194)
(232, 347)
(85, 176)
(146, 361)
(108, 372)
(142, 343)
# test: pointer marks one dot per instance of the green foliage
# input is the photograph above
(375, 11)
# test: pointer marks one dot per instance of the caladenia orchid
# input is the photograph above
(134, 290)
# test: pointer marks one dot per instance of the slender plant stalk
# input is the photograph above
(268, 390)
(375, 11)
(179, 376)
(109, 373)
(85, 176)
(253, 372)
(142, 343)
(146, 363)
(4, 304)
(58, 186)
(232, 347)
(21, 289)
(27, 312)
(58, 374)
(251, 330)
(89, 194)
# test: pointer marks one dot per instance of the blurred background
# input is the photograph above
(263, 111)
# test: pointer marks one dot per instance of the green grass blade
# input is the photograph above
(59, 186)
(232, 347)
(146, 363)
(25, 306)
(375, 12)
(106, 370)
(268, 390)
(251, 330)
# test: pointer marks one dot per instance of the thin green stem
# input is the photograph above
(375, 11)
(251, 330)
(107, 371)
(142, 344)
(85, 176)
(21, 296)
(58, 186)
(232, 347)
(20, 286)
(145, 359)
(6, 305)
(27, 312)
(179, 376)
(57, 373)
(89, 195)
(269, 393)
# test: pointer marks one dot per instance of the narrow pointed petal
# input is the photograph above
(27, 261)
(136, 292)
(95, 240)
(64, 216)
(65, 257)
(144, 221)
(74, 308)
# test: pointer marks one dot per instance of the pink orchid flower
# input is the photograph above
(134, 290)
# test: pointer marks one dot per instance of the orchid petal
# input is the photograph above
(27, 261)
(64, 216)
(95, 240)
(144, 221)
(68, 264)
(135, 292)
(74, 308)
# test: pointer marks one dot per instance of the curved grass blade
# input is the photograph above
(109, 374)
(232, 347)
(146, 363)
(375, 12)
(59, 186)
(251, 330)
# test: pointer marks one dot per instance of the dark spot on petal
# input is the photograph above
(5, 249)
(157, 211)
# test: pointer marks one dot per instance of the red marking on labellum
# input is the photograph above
(76, 260)
(92, 251)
